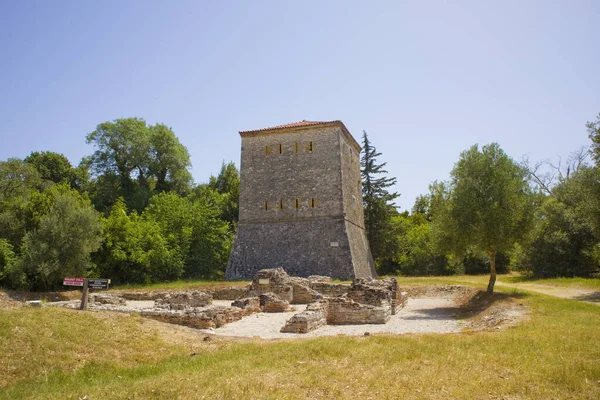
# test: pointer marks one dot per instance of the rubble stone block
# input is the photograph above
(312, 318)
(182, 300)
(251, 304)
(343, 311)
(232, 293)
(102, 298)
(329, 289)
(270, 303)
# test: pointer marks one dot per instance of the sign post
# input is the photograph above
(86, 284)
(84, 295)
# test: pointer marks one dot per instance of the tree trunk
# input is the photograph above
(492, 257)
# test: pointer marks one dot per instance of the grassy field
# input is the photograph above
(179, 285)
(59, 354)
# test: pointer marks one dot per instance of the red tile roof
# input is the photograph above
(293, 125)
(303, 123)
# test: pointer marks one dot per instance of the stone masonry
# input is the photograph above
(301, 203)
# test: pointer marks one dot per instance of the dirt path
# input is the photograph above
(589, 296)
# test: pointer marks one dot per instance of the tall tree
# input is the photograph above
(169, 161)
(227, 184)
(485, 207)
(17, 178)
(593, 129)
(52, 166)
(141, 159)
(378, 201)
(62, 243)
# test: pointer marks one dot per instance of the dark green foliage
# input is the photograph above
(61, 244)
(227, 184)
(54, 167)
(378, 204)
(415, 254)
(7, 260)
(173, 238)
(593, 129)
(195, 228)
(17, 179)
(134, 249)
(566, 237)
(137, 159)
(479, 264)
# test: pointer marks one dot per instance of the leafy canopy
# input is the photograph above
(486, 206)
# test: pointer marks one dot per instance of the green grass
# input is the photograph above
(587, 283)
(554, 354)
(180, 285)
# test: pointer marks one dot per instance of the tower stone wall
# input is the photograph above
(301, 203)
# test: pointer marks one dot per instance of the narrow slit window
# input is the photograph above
(297, 148)
(281, 204)
(268, 150)
(266, 205)
(280, 148)
(309, 147)
(313, 203)
(297, 203)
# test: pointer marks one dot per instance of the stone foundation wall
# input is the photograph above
(251, 304)
(233, 293)
(330, 289)
(312, 318)
(270, 303)
(348, 312)
(211, 317)
(181, 300)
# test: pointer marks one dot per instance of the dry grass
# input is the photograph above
(555, 354)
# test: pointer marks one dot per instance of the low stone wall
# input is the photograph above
(302, 293)
(270, 303)
(232, 293)
(101, 298)
(250, 304)
(328, 289)
(210, 317)
(275, 281)
(343, 311)
(143, 296)
(183, 300)
(312, 318)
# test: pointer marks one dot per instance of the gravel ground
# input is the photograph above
(421, 315)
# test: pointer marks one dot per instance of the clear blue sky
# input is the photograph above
(425, 79)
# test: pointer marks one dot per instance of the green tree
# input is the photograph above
(62, 243)
(485, 207)
(140, 159)
(169, 161)
(52, 166)
(7, 260)
(17, 179)
(593, 129)
(227, 184)
(195, 230)
(134, 249)
(378, 202)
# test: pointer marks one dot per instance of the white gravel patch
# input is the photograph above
(140, 304)
(421, 315)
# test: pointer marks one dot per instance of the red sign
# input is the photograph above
(73, 281)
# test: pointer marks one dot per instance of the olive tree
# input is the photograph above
(486, 206)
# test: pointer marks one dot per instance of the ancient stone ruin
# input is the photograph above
(365, 301)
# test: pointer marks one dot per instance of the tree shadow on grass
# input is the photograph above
(469, 305)
(590, 297)
(481, 301)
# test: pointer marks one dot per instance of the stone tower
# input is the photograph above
(301, 203)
